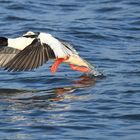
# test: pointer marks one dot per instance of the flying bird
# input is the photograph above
(33, 49)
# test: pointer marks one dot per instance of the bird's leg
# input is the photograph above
(57, 62)
(79, 68)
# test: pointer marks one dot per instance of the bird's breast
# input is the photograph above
(76, 60)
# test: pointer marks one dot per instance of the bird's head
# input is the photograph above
(3, 41)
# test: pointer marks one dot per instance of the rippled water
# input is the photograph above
(69, 105)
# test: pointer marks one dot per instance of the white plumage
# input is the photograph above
(59, 49)
(19, 42)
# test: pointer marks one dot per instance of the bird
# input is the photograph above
(33, 49)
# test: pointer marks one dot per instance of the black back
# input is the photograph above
(3, 41)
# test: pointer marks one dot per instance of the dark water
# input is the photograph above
(67, 105)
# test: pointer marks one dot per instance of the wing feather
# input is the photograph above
(7, 54)
(33, 56)
(34, 60)
(68, 46)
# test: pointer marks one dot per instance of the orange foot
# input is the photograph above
(79, 68)
(57, 63)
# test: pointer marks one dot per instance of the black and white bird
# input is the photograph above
(33, 49)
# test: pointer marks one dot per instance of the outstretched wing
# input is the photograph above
(7, 54)
(68, 46)
(31, 57)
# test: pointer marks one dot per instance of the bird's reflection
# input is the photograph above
(82, 82)
(44, 98)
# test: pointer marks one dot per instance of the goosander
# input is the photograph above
(33, 49)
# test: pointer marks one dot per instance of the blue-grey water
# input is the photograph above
(67, 105)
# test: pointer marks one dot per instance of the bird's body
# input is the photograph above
(33, 49)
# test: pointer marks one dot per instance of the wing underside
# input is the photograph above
(7, 54)
(33, 56)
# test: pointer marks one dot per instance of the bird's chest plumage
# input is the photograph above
(76, 60)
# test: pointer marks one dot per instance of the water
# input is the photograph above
(66, 105)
